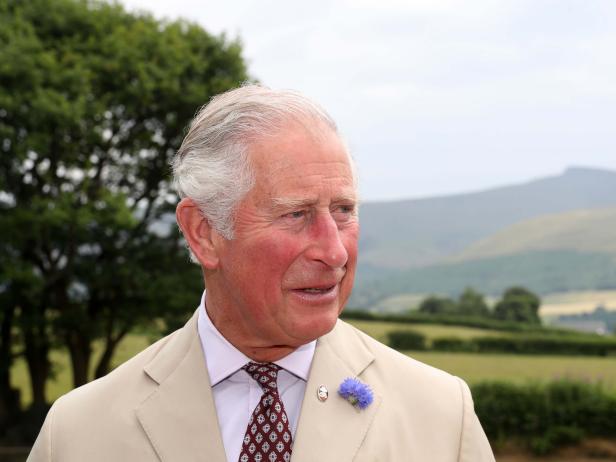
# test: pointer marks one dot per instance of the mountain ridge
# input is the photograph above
(419, 232)
(530, 233)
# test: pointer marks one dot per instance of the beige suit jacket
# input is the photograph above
(159, 407)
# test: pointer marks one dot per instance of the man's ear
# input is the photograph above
(198, 233)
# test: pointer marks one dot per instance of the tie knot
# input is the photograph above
(266, 374)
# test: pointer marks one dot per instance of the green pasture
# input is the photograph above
(474, 367)
(379, 330)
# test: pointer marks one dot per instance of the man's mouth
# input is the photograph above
(315, 290)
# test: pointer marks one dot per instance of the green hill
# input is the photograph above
(591, 230)
(415, 233)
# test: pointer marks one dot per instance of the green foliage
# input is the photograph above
(527, 345)
(448, 320)
(560, 345)
(545, 416)
(555, 437)
(93, 104)
(472, 303)
(518, 304)
(454, 344)
(407, 340)
(437, 305)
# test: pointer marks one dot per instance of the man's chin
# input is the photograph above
(318, 328)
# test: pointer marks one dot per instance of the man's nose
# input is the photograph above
(327, 245)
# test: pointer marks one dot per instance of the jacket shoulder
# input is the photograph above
(129, 377)
(73, 427)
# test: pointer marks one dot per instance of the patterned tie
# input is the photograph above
(268, 436)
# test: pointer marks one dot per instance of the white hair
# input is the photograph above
(212, 166)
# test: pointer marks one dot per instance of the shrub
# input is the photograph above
(555, 437)
(407, 340)
(454, 344)
(545, 416)
(559, 344)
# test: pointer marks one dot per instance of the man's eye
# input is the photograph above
(343, 213)
(295, 214)
(345, 209)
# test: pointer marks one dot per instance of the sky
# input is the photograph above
(437, 97)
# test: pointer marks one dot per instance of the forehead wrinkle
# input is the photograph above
(324, 167)
(326, 179)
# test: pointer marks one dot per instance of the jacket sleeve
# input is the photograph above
(42, 449)
(474, 445)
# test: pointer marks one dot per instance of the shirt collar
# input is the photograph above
(223, 359)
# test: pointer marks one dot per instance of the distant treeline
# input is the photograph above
(517, 305)
(416, 317)
(517, 310)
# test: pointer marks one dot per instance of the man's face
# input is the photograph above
(288, 271)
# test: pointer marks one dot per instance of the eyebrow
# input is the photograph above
(290, 203)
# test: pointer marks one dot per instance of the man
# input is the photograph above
(269, 211)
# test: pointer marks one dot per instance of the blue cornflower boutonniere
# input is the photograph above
(355, 392)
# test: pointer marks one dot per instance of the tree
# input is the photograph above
(472, 303)
(93, 104)
(520, 305)
(9, 398)
(437, 305)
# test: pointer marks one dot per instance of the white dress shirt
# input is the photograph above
(236, 394)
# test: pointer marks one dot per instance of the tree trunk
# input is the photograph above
(80, 349)
(37, 343)
(104, 364)
(37, 359)
(9, 397)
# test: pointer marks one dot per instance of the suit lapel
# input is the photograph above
(333, 429)
(180, 418)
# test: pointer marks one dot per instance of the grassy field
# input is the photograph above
(520, 369)
(379, 330)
